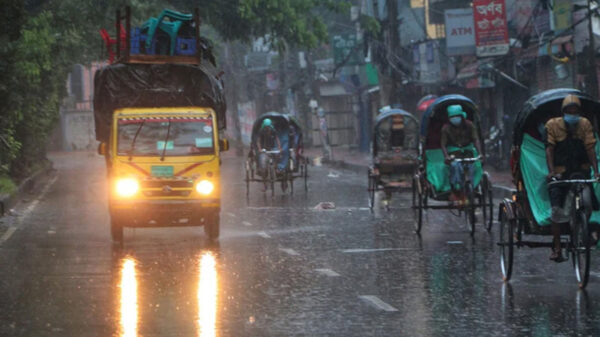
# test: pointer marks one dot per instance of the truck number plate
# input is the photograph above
(161, 171)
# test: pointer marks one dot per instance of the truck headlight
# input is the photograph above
(127, 187)
(204, 187)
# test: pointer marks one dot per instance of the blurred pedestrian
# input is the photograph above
(323, 134)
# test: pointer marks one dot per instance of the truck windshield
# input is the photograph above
(187, 136)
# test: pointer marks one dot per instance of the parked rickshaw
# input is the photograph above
(290, 161)
(395, 152)
(431, 180)
(529, 210)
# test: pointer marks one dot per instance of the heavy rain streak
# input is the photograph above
(299, 168)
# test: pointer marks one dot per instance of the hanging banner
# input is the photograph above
(562, 14)
(460, 33)
(491, 32)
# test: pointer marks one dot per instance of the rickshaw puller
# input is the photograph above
(456, 140)
(268, 140)
(570, 149)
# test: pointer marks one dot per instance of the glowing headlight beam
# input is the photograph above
(129, 305)
(127, 187)
(205, 187)
(207, 296)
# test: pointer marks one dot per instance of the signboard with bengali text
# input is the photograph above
(491, 31)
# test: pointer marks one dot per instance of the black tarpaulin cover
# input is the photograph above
(153, 85)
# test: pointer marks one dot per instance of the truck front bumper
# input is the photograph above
(150, 213)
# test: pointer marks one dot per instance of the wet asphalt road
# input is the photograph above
(280, 268)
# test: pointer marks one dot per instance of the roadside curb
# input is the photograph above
(8, 201)
(499, 191)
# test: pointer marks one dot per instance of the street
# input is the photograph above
(280, 268)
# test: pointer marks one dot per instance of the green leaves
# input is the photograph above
(295, 22)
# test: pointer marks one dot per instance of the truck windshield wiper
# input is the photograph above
(132, 147)
(162, 157)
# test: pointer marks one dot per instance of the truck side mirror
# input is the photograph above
(102, 149)
(223, 145)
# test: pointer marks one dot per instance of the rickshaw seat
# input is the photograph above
(395, 164)
(534, 171)
(438, 173)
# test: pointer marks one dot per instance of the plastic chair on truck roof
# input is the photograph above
(170, 28)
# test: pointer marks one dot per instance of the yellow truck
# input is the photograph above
(159, 129)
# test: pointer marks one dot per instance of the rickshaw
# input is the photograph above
(291, 159)
(431, 181)
(395, 152)
(529, 211)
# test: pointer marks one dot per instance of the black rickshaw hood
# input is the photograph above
(547, 104)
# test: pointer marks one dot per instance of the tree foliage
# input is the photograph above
(42, 39)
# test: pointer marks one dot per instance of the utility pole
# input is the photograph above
(593, 80)
(393, 49)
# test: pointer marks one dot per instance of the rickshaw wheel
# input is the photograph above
(116, 228)
(580, 249)
(272, 179)
(371, 189)
(306, 175)
(470, 209)
(506, 244)
(417, 207)
(247, 179)
(291, 176)
(487, 202)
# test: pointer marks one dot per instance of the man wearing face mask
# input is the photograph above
(458, 137)
(570, 149)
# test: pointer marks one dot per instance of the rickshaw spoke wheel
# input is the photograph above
(505, 243)
(272, 179)
(371, 190)
(306, 175)
(470, 209)
(580, 249)
(417, 208)
(490, 200)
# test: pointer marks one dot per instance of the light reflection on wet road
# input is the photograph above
(129, 299)
(281, 268)
(207, 296)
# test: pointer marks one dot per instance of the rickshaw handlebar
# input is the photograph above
(573, 181)
(271, 152)
(466, 160)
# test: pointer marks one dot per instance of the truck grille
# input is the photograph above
(163, 193)
(159, 183)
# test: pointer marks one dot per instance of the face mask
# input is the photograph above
(455, 121)
(571, 119)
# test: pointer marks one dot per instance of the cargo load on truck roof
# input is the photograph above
(154, 85)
